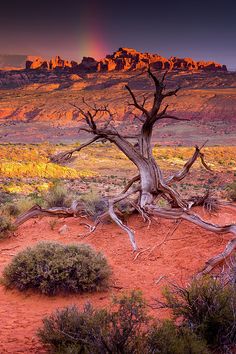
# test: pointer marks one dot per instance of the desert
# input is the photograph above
(117, 182)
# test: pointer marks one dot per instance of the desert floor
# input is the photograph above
(182, 255)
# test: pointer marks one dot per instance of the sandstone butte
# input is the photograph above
(123, 59)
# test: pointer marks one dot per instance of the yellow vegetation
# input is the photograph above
(40, 169)
(26, 168)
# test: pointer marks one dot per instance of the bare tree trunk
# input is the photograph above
(150, 183)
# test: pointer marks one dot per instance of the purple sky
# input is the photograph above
(198, 29)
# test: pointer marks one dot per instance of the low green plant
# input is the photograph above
(22, 205)
(5, 197)
(52, 268)
(58, 195)
(232, 191)
(18, 206)
(125, 328)
(6, 226)
(168, 338)
(208, 307)
(93, 204)
(118, 331)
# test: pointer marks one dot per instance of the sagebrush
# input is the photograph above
(51, 268)
(208, 307)
(124, 329)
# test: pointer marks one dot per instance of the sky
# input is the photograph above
(72, 29)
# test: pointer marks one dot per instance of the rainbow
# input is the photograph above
(92, 37)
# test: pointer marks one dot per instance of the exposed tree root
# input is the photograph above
(37, 211)
(197, 220)
(118, 221)
(141, 252)
(216, 260)
(169, 234)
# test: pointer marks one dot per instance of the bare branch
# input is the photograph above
(130, 183)
(164, 76)
(136, 104)
(185, 170)
(171, 93)
(173, 117)
(163, 112)
(158, 84)
(65, 156)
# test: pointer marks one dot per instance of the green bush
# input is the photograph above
(19, 206)
(58, 196)
(93, 204)
(232, 191)
(5, 197)
(11, 209)
(124, 329)
(6, 226)
(51, 268)
(208, 307)
(68, 330)
(167, 338)
(97, 331)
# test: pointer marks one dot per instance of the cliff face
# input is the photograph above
(124, 59)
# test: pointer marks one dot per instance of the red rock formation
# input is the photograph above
(88, 64)
(36, 63)
(211, 65)
(125, 59)
(57, 62)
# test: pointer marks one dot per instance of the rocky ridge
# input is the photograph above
(124, 59)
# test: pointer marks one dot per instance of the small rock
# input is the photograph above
(63, 230)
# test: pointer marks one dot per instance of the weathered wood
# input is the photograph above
(151, 183)
(37, 210)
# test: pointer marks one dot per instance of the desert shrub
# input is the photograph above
(51, 268)
(6, 226)
(124, 329)
(24, 204)
(11, 209)
(97, 331)
(125, 207)
(5, 197)
(58, 195)
(228, 271)
(167, 338)
(67, 330)
(19, 206)
(93, 204)
(208, 307)
(232, 191)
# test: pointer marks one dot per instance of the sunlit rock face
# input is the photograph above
(124, 59)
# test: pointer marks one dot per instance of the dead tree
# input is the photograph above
(149, 185)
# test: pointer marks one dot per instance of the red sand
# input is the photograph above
(177, 260)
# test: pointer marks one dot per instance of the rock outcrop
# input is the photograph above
(124, 59)
(130, 59)
(54, 63)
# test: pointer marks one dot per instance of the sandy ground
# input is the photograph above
(177, 260)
